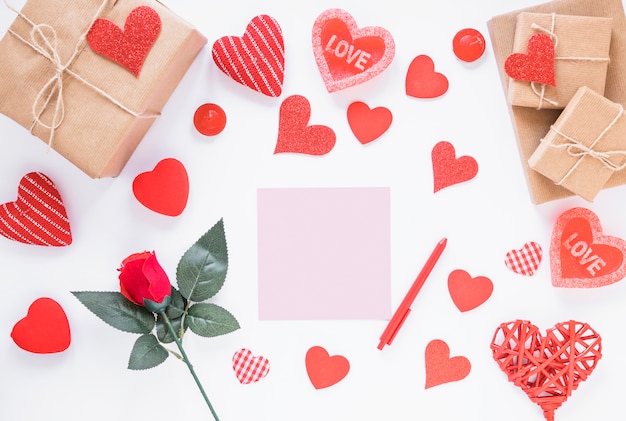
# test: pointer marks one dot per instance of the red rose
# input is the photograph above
(142, 278)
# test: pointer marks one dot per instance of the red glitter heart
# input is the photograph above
(323, 369)
(368, 124)
(165, 189)
(449, 170)
(535, 66)
(44, 330)
(441, 368)
(422, 81)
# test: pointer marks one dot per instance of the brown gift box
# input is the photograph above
(584, 146)
(531, 125)
(581, 57)
(106, 109)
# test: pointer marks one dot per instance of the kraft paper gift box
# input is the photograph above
(104, 110)
(586, 144)
(581, 57)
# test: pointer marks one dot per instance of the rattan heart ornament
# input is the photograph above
(547, 368)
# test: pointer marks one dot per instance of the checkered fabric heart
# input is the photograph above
(248, 368)
(526, 260)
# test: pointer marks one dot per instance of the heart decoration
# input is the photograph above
(346, 55)
(524, 261)
(256, 59)
(38, 215)
(323, 369)
(368, 124)
(441, 368)
(422, 81)
(128, 47)
(547, 368)
(580, 256)
(293, 133)
(248, 368)
(44, 330)
(165, 189)
(449, 170)
(468, 292)
(535, 66)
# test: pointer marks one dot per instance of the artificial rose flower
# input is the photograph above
(143, 278)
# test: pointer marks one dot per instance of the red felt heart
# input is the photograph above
(468, 293)
(422, 81)
(128, 47)
(293, 133)
(535, 66)
(441, 368)
(325, 370)
(44, 330)
(248, 368)
(165, 189)
(526, 260)
(368, 124)
(547, 368)
(449, 170)
(257, 59)
(38, 215)
(580, 256)
(347, 55)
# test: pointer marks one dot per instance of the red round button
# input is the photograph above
(468, 44)
(209, 119)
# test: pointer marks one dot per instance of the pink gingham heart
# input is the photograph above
(526, 260)
(248, 368)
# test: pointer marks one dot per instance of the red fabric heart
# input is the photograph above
(449, 170)
(38, 215)
(524, 261)
(422, 81)
(128, 47)
(466, 292)
(248, 368)
(535, 66)
(440, 368)
(547, 368)
(580, 256)
(293, 133)
(44, 330)
(165, 189)
(257, 59)
(346, 55)
(325, 370)
(368, 124)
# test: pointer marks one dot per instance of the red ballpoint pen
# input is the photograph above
(405, 306)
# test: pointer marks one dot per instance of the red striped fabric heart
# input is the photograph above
(248, 368)
(257, 59)
(38, 215)
(524, 261)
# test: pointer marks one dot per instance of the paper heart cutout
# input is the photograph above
(467, 292)
(547, 368)
(535, 66)
(323, 369)
(449, 170)
(441, 368)
(524, 261)
(346, 55)
(255, 60)
(165, 189)
(38, 215)
(368, 124)
(580, 256)
(422, 81)
(128, 47)
(293, 133)
(44, 330)
(248, 368)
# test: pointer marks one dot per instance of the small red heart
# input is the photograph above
(440, 368)
(293, 133)
(248, 368)
(526, 260)
(535, 66)
(422, 81)
(128, 47)
(325, 370)
(44, 330)
(468, 293)
(165, 189)
(449, 170)
(368, 124)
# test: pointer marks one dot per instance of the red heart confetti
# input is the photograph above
(535, 66)
(468, 44)
(44, 330)
(422, 81)
(368, 124)
(547, 368)
(441, 368)
(255, 60)
(524, 261)
(468, 292)
(248, 368)
(346, 55)
(128, 47)
(165, 189)
(323, 369)
(38, 215)
(449, 170)
(209, 119)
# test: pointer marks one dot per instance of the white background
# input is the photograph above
(482, 219)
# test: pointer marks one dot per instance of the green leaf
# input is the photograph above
(208, 320)
(147, 353)
(177, 305)
(163, 332)
(201, 271)
(116, 310)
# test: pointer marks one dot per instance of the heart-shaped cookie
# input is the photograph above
(323, 369)
(165, 189)
(44, 330)
(537, 65)
(581, 256)
(441, 368)
(38, 215)
(346, 55)
(422, 81)
(248, 368)
(448, 169)
(256, 59)
(368, 124)
(524, 261)
(468, 292)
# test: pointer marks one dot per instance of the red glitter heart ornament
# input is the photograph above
(44, 330)
(441, 368)
(468, 292)
(248, 368)
(547, 368)
(128, 47)
(323, 369)
(165, 189)
(368, 124)
(422, 81)
(524, 261)
(535, 66)
(448, 169)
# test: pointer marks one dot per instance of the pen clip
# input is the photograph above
(398, 326)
